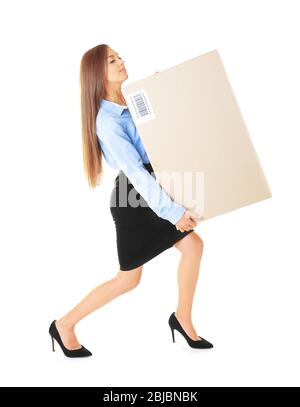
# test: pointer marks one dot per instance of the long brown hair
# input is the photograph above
(92, 89)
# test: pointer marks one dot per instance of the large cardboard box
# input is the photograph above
(196, 138)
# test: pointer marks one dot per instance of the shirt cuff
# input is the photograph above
(176, 214)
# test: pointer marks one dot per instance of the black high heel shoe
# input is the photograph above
(175, 324)
(74, 353)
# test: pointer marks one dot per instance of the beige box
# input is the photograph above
(195, 136)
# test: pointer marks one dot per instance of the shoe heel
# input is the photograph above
(172, 330)
(53, 349)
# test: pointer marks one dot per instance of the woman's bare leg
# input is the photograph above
(191, 248)
(123, 282)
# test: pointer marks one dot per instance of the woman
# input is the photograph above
(143, 231)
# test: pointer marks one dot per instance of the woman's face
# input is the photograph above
(116, 71)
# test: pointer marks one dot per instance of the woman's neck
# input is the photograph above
(119, 99)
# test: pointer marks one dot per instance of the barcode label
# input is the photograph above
(140, 106)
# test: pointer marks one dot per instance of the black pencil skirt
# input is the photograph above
(140, 233)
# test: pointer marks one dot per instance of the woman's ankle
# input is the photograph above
(65, 323)
(183, 317)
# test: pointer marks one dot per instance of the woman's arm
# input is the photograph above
(114, 139)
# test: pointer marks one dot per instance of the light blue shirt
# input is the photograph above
(123, 149)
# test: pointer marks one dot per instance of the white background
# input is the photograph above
(58, 237)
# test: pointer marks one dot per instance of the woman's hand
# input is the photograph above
(188, 221)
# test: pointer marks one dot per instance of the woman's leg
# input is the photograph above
(123, 282)
(191, 248)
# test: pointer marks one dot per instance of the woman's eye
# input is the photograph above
(114, 60)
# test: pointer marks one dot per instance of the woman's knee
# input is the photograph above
(130, 278)
(189, 244)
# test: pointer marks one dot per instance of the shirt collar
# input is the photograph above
(112, 107)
